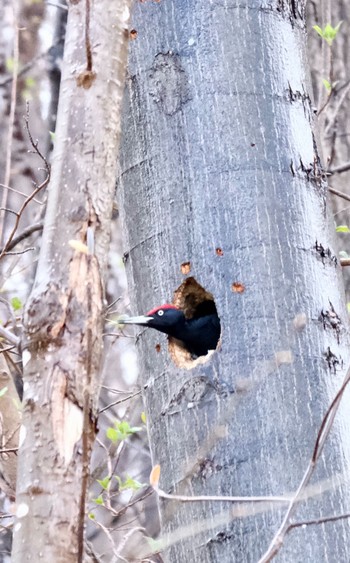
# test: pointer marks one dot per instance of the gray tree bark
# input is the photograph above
(64, 314)
(221, 182)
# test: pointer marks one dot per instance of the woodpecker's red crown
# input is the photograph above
(156, 309)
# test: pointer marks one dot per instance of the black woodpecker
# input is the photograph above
(198, 334)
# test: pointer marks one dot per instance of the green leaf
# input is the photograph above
(26, 95)
(92, 516)
(98, 500)
(343, 254)
(129, 483)
(112, 434)
(30, 82)
(143, 417)
(16, 303)
(10, 63)
(104, 482)
(328, 33)
(52, 135)
(130, 429)
(342, 229)
(318, 29)
(3, 391)
(121, 431)
(327, 85)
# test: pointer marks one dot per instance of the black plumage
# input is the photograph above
(198, 334)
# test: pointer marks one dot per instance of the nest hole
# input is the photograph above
(194, 301)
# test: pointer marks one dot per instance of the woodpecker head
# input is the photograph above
(198, 334)
(163, 318)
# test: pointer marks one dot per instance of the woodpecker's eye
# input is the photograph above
(160, 313)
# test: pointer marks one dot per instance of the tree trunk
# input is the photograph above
(64, 314)
(221, 185)
(333, 64)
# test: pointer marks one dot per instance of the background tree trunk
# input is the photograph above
(333, 64)
(221, 180)
(21, 21)
(64, 313)
(19, 45)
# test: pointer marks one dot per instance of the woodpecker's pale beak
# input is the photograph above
(142, 320)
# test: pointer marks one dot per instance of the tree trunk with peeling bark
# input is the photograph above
(64, 314)
(221, 185)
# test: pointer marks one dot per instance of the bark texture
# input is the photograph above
(221, 181)
(64, 314)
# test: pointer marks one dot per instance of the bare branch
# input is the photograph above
(19, 252)
(317, 521)
(322, 435)
(9, 336)
(36, 190)
(338, 193)
(23, 235)
(218, 498)
(11, 189)
(119, 401)
(8, 451)
(339, 169)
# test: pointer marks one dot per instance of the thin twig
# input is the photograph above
(19, 252)
(339, 169)
(119, 402)
(8, 210)
(8, 349)
(322, 435)
(30, 64)
(25, 68)
(339, 194)
(24, 234)
(8, 451)
(11, 189)
(121, 511)
(115, 391)
(325, 104)
(9, 336)
(342, 98)
(36, 190)
(219, 498)
(317, 521)
(9, 310)
(108, 308)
